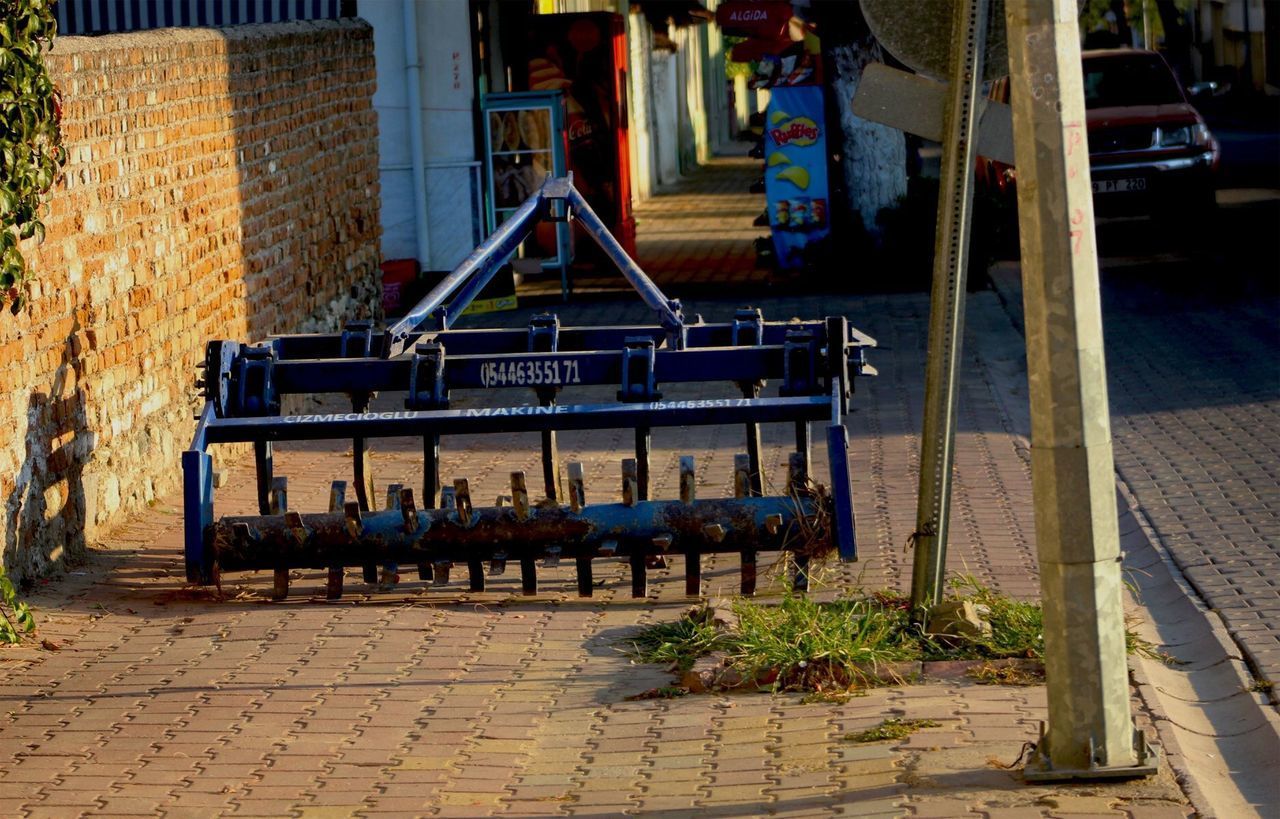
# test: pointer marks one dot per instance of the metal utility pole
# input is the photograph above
(946, 317)
(1090, 733)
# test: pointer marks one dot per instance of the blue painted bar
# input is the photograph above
(524, 369)
(508, 340)
(330, 426)
(842, 523)
(197, 512)
(500, 245)
(668, 317)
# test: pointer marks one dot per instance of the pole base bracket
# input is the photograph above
(1039, 767)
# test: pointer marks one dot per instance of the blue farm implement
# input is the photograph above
(423, 358)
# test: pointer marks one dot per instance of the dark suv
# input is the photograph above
(1150, 153)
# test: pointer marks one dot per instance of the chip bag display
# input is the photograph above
(796, 175)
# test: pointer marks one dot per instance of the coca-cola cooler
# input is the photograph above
(585, 56)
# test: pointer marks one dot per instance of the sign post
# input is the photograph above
(946, 316)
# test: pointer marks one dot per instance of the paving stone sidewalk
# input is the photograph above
(164, 700)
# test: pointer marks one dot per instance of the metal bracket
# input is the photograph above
(427, 390)
(556, 192)
(838, 359)
(255, 391)
(1040, 768)
(544, 333)
(638, 380)
(677, 331)
(800, 364)
(219, 361)
(748, 327)
(357, 339)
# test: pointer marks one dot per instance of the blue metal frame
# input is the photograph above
(814, 361)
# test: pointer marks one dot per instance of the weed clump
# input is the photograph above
(830, 649)
(892, 728)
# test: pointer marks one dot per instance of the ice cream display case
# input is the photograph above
(525, 140)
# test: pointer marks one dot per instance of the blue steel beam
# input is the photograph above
(525, 369)
(668, 310)
(481, 262)
(331, 426)
(507, 340)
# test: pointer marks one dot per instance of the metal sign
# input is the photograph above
(920, 33)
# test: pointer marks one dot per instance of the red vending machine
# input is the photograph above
(585, 56)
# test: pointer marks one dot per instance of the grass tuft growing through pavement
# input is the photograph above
(818, 646)
(892, 728)
(831, 648)
(680, 642)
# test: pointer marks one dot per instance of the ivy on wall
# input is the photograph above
(31, 152)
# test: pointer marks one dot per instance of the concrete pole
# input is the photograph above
(946, 312)
(1090, 728)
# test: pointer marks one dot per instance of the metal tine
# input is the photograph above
(644, 443)
(577, 487)
(586, 584)
(528, 576)
(552, 560)
(408, 511)
(337, 500)
(692, 554)
(412, 522)
(278, 504)
(630, 482)
(742, 476)
(391, 571)
(355, 526)
(804, 441)
(263, 469)
(520, 502)
(498, 565)
(440, 568)
(462, 501)
(362, 467)
(742, 489)
(242, 533)
(748, 325)
(639, 575)
(688, 479)
(797, 483)
(550, 461)
(520, 495)
(430, 486)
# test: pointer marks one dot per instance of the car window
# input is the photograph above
(1119, 82)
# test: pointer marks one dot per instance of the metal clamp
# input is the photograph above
(357, 339)
(800, 364)
(544, 333)
(219, 362)
(427, 390)
(638, 380)
(255, 391)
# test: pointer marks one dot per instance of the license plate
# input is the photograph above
(1128, 184)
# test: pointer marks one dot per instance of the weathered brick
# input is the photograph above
(189, 167)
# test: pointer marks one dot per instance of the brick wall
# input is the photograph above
(221, 184)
